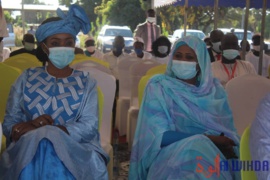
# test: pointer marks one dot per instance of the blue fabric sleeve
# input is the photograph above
(85, 127)
(170, 137)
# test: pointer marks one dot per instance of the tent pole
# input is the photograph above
(262, 37)
(216, 14)
(185, 17)
(243, 55)
(23, 17)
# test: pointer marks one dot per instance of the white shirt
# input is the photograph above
(97, 54)
(113, 61)
(146, 55)
(242, 68)
(149, 41)
(255, 61)
(160, 60)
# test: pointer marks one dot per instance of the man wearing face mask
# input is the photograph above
(161, 49)
(29, 46)
(254, 55)
(116, 55)
(139, 49)
(215, 41)
(90, 49)
(148, 30)
(230, 67)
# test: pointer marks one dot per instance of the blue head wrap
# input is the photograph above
(203, 57)
(71, 23)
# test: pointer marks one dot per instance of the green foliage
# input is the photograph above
(18, 41)
(8, 17)
(121, 13)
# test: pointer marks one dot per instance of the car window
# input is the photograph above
(197, 34)
(118, 32)
(240, 35)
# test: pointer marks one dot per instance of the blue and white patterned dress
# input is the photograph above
(71, 102)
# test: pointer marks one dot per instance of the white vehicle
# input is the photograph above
(179, 33)
(107, 34)
(10, 40)
(239, 33)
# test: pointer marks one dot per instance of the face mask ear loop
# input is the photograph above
(47, 48)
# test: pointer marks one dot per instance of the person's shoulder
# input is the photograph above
(18, 51)
(142, 24)
(266, 56)
(84, 75)
(157, 79)
(108, 54)
(216, 64)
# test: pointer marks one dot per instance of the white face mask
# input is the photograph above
(151, 19)
(184, 69)
(230, 54)
(162, 49)
(90, 49)
(216, 46)
(257, 48)
(29, 46)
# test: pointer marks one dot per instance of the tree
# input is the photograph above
(121, 13)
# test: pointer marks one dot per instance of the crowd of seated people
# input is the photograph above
(51, 120)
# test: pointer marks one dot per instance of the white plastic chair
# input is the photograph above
(6, 53)
(106, 82)
(123, 101)
(137, 71)
(85, 65)
(244, 94)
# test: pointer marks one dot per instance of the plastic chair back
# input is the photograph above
(6, 53)
(137, 71)
(142, 84)
(1, 134)
(8, 76)
(100, 106)
(245, 155)
(84, 63)
(23, 61)
(124, 77)
(160, 69)
(244, 94)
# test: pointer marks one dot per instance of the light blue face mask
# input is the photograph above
(61, 56)
(138, 51)
(230, 54)
(184, 69)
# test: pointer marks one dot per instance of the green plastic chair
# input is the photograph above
(8, 76)
(245, 155)
(23, 61)
(100, 106)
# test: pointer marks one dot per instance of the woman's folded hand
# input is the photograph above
(224, 144)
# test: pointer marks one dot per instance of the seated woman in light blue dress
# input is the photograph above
(51, 121)
(259, 141)
(185, 125)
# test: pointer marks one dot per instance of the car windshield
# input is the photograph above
(118, 32)
(197, 34)
(240, 35)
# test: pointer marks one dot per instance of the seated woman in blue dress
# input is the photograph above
(51, 121)
(185, 125)
(259, 141)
